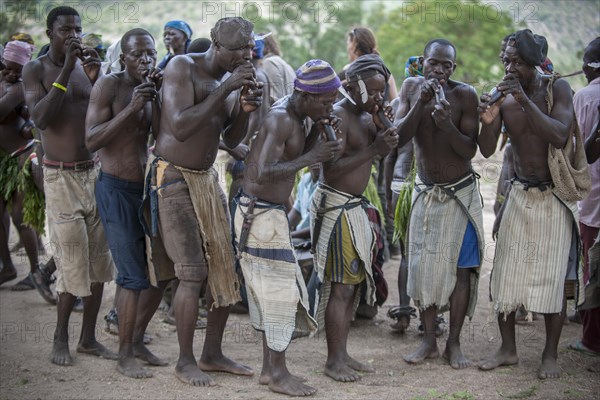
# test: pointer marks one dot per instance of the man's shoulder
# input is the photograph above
(180, 65)
(462, 86)
(278, 114)
(110, 79)
(339, 109)
(35, 65)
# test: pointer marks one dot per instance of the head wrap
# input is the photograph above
(183, 27)
(413, 67)
(17, 52)
(365, 67)
(180, 25)
(22, 37)
(317, 77)
(529, 46)
(232, 32)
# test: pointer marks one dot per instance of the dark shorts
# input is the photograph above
(469, 251)
(178, 227)
(119, 204)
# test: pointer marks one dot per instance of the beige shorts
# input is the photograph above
(77, 237)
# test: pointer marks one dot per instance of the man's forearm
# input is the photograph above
(49, 106)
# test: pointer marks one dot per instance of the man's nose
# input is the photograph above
(379, 97)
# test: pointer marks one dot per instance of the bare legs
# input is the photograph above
(338, 314)
(135, 309)
(507, 354)
(459, 301)
(87, 341)
(148, 304)
(275, 374)
(212, 359)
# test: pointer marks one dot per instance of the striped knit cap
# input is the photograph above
(316, 77)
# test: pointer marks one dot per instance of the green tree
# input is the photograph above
(309, 29)
(475, 28)
(13, 16)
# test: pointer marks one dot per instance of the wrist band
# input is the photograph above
(59, 86)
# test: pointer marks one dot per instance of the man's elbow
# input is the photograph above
(231, 142)
(40, 123)
(561, 141)
(91, 144)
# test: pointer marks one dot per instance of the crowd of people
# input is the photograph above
(123, 153)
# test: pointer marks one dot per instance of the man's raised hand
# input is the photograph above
(251, 97)
(91, 63)
(142, 94)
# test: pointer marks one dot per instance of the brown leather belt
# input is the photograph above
(72, 166)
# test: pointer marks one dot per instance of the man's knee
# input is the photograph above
(463, 277)
(342, 292)
(194, 272)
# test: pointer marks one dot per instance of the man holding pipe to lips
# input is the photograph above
(57, 92)
(189, 212)
(445, 238)
(537, 111)
(124, 109)
(285, 144)
(340, 225)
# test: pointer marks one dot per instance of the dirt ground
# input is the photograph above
(27, 325)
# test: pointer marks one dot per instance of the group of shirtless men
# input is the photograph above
(160, 215)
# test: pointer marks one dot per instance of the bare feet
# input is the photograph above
(265, 378)
(341, 372)
(190, 374)
(7, 274)
(357, 365)
(424, 351)
(130, 367)
(143, 353)
(290, 385)
(97, 349)
(224, 364)
(549, 368)
(60, 354)
(499, 359)
(456, 358)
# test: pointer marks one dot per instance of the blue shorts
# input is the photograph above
(119, 205)
(469, 252)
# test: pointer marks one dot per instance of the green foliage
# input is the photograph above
(12, 15)
(403, 207)
(317, 29)
(311, 29)
(34, 206)
(371, 192)
(14, 178)
(474, 27)
(523, 394)
(9, 170)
